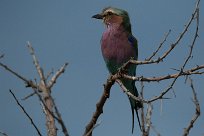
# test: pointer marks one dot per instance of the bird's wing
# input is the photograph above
(133, 42)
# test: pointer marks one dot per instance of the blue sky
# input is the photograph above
(63, 31)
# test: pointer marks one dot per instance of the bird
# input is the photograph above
(118, 45)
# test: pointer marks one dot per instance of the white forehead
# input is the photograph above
(109, 10)
(115, 11)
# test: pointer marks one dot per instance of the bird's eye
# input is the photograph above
(109, 13)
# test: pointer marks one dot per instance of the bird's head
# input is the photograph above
(112, 15)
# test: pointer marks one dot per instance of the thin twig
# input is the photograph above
(48, 87)
(24, 111)
(195, 35)
(28, 83)
(37, 65)
(191, 71)
(28, 96)
(58, 73)
(126, 91)
(173, 45)
(91, 130)
(148, 118)
(197, 110)
(174, 76)
(49, 74)
(166, 90)
(161, 44)
(45, 96)
(60, 121)
(142, 110)
(157, 133)
(99, 106)
(47, 110)
(187, 59)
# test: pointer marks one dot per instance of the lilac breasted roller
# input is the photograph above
(118, 45)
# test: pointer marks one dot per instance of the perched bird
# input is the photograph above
(118, 45)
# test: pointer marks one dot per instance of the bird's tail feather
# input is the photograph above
(135, 105)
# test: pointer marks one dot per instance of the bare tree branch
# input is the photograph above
(148, 118)
(187, 59)
(173, 45)
(47, 98)
(43, 88)
(99, 106)
(126, 91)
(24, 111)
(142, 110)
(28, 83)
(157, 133)
(43, 91)
(197, 110)
(161, 44)
(37, 65)
(28, 96)
(60, 120)
(90, 131)
(192, 71)
(49, 74)
(58, 73)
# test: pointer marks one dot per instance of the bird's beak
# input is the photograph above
(98, 16)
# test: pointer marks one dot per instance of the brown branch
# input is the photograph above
(49, 112)
(45, 108)
(48, 101)
(28, 96)
(49, 74)
(173, 45)
(24, 111)
(44, 95)
(28, 83)
(160, 45)
(58, 73)
(121, 72)
(90, 131)
(57, 116)
(191, 71)
(174, 76)
(60, 121)
(195, 14)
(145, 120)
(148, 118)
(37, 65)
(126, 91)
(157, 133)
(99, 106)
(165, 90)
(197, 110)
(142, 110)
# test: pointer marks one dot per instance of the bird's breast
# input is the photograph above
(116, 47)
